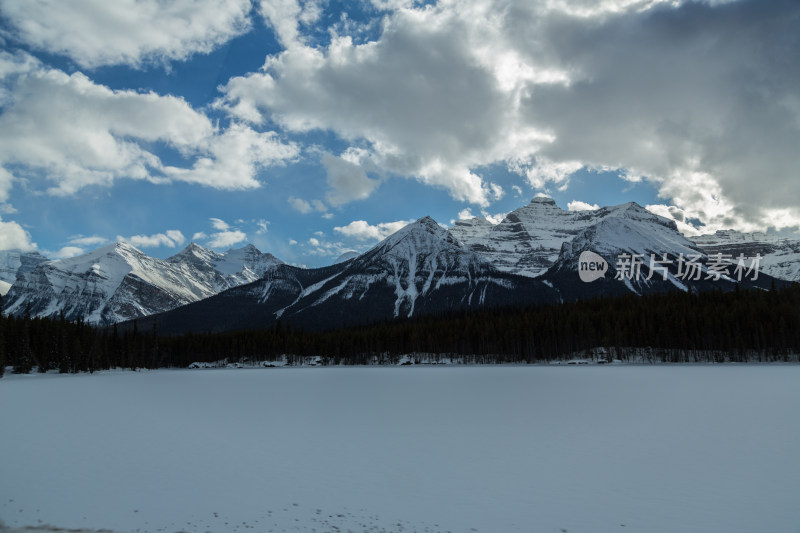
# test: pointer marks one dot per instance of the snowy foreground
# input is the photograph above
(489, 449)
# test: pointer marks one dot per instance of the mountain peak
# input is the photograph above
(543, 201)
(248, 248)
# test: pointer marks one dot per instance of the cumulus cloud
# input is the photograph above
(286, 16)
(577, 205)
(224, 235)
(98, 32)
(347, 179)
(226, 239)
(219, 224)
(678, 215)
(67, 251)
(170, 239)
(363, 231)
(15, 237)
(699, 98)
(66, 132)
(494, 219)
(465, 214)
(446, 116)
(305, 207)
(300, 205)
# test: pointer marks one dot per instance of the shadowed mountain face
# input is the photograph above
(423, 269)
(780, 256)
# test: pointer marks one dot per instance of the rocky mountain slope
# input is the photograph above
(780, 256)
(14, 261)
(529, 239)
(530, 258)
(419, 269)
(119, 282)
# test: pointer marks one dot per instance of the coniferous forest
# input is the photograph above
(738, 326)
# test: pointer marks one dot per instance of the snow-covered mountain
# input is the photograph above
(645, 253)
(531, 257)
(118, 282)
(419, 269)
(470, 229)
(780, 256)
(13, 261)
(529, 239)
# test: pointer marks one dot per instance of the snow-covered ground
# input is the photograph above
(493, 449)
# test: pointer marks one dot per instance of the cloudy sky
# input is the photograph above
(312, 127)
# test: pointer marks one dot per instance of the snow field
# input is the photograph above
(490, 449)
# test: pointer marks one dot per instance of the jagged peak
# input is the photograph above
(543, 201)
(192, 250)
(473, 221)
(246, 248)
(119, 248)
(425, 229)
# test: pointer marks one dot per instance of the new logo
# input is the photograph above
(591, 266)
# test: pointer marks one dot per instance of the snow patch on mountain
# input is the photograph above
(14, 261)
(119, 282)
(780, 256)
(528, 240)
(470, 229)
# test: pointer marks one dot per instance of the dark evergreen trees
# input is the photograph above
(670, 327)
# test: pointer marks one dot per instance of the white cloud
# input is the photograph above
(263, 226)
(219, 224)
(695, 97)
(67, 251)
(313, 242)
(494, 219)
(170, 239)
(517, 190)
(300, 205)
(66, 132)
(577, 205)
(496, 191)
(93, 240)
(433, 130)
(15, 237)
(363, 231)
(100, 32)
(540, 171)
(226, 239)
(231, 159)
(679, 216)
(225, 235)
(305, 207)
(464, 214)
(348, 180)
(284, 16)
(292, 242)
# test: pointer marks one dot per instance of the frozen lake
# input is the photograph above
(492, 449)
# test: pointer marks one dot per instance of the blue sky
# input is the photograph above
(309, 128)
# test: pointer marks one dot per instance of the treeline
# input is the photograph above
(671, 327)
